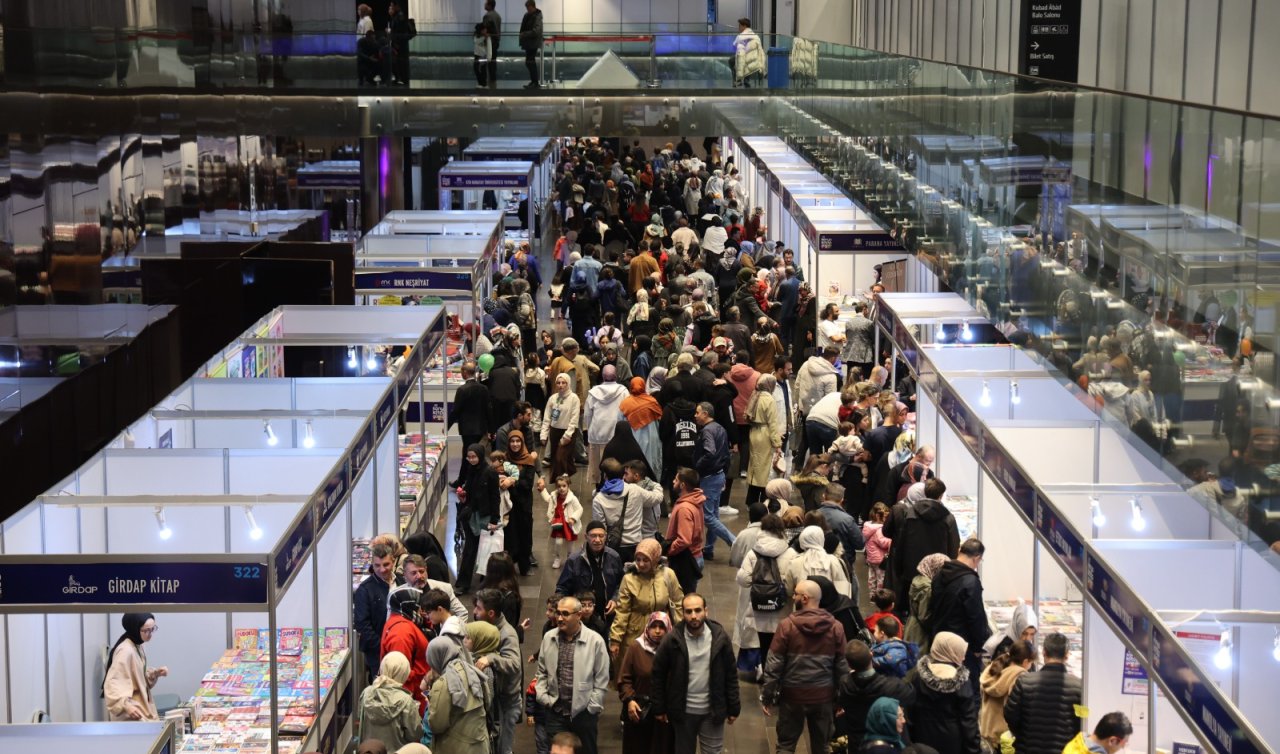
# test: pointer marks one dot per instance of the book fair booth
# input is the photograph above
(538, 150)
(238, 510)
(101, 738)
(491, 184)
(1146, 581)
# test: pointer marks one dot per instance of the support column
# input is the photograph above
(381, 177)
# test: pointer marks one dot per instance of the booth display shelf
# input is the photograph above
(1056, 616)
(232, 706)
(965, 510)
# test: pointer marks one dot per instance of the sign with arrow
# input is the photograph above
(1050, 46)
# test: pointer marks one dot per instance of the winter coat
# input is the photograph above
(816, 378)
(602, 412)
(609, 509)
(748, 305)
(918, 529)
(956, 606)
(576, 575)
(858, 691)
(454, 730)
(743, 377)
(590, 671)
(572, 508)
(840, 523)
(750, 621)
(806, 659)
(817, 562)
(765, 435)
(389, 715)
(748, 55)
(894, 657)
(641, 595)
(810, 487)
(1041, 709)
(944, 714)
(919, 594)
(671, 675)
(403, 635)
(370, 612)
(876, 543)
(995, 691)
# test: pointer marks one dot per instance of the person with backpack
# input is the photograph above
(763, 595)
(459, 699)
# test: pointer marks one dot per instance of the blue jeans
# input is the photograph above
(819, 435)
(713, 488)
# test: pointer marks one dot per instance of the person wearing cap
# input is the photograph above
(403, 633)
(596, 568)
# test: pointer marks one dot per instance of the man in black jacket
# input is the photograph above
(695, 681)
(596, 568)
(1041, 710)
(399, 31)
(921, 527)
(470, 407)
(956, 606)
(531, 41)
(370, 606)
(861, 688)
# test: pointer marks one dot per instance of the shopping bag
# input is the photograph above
(490, 542)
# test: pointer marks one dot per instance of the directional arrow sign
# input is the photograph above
(1035, 45)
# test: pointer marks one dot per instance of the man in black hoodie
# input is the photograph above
(956, 605)
(861, 688)
(922, 527)
(678, 432)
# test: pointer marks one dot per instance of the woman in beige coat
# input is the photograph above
(127, 684)
(997, 681)
(766, 436)
(650, 588)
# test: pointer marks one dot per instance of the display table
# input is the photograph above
(965, 510)
(1055, 616)
(232, 708)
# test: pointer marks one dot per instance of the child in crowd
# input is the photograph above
(890, 655)
(877, 546)
(536, 717)
(589, 618)
(884, 600)
(499, 463)
(549, 623)
(535, 388)
(559, 302)
(480, 54)
(564, 514)
(847, 445)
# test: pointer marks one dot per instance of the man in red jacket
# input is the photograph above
(805, 665)
(686, 529)
(402, 634)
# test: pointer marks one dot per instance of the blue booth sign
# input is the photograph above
(1118, 603)
(1219, 724)
(295, 548)
(132, 583)
(329, 498)
(413, 280)
(1061, 539)
(491, 181)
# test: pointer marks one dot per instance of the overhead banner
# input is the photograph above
(1050, 39)
(491, 181)
(132, 583)
(877, 242)
(413, 280)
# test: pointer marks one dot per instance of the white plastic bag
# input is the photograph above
(490, 542)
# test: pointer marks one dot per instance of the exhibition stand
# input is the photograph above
(540, 151)
(229, 510)
(334, 186)
(505, 179)
(837, 244)
(100, 738)
(1143, 579)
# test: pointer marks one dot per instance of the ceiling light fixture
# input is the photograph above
(1138, 522)
(1014, 397)
(351, 357)
(966, 334)
(1095, 510)
(165, 531)
(308, 437)
(985, 399)
(255, 531)
(1222, 658)
(272, 440)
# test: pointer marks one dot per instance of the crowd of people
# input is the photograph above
(676, 382)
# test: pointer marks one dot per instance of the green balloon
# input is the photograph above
(1180, 358)
(485, 362)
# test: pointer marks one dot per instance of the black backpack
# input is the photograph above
(768, 593)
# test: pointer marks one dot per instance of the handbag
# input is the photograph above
(613, 532)
(490, 542)
(557, 529)
(646, 708)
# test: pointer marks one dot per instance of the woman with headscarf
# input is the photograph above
(1023, 626)
(559, 422)
(478, 510)
(127, 683)
(778, 494)
(996, 683)
(814, 560)
(666, 342)
(918, 597)
(647, 586)
(519, 529)
(804, 336)
(638, 319)
(643, 413)
(766, 428)
(884, 724)
(793, 522)
(459, 697)
(642, 734)
(842, 609)
(944, 714)
(756, 629)
(388, 712)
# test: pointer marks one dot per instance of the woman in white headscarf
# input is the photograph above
(814, 560)
(388, 712)
(457, 703)
(1023, 626)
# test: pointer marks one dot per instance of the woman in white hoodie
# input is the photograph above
(754, 629)
(813, 560)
